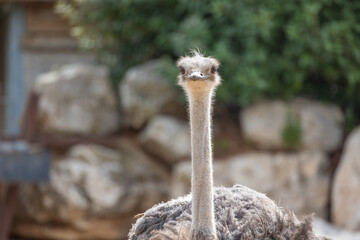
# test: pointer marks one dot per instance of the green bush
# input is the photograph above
(291, 134)
(272, 48)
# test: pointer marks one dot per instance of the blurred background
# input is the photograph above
(94, 129)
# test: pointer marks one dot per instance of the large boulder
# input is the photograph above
(167, 138)
(320, 124)
(77, 99)
(346, 187)
(323, 228)
(145, 92)
(297, 181)
(94, 193)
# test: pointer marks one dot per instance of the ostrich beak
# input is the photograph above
(196, 75)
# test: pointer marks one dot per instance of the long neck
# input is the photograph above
(202, 176)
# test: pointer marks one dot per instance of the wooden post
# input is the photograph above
(7, 211)
(28, 122)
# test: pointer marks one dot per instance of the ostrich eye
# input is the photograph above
(213, 69)
(182, 70)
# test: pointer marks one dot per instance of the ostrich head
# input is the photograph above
(198, 72)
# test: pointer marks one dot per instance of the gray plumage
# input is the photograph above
(240, 214)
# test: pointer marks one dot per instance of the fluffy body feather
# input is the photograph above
(240, 214)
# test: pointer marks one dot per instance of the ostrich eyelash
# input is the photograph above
(213, 69)
(182, 70)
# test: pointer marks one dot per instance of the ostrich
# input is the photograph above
(214, 213)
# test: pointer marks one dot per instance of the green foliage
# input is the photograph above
(291, 133)
(272, 48)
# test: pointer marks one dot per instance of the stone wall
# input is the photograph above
(95, 191)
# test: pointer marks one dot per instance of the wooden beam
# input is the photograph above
(66, 141)
(25, 1)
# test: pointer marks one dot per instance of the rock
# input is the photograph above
(181, 179)
(107, 229)
(77, 99)
(346, 186)
(167, 138)
(91, 186)
(144, 92)
(297, 181)
(323, 228)
(320, 124)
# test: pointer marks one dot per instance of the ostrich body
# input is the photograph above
(209, 213)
